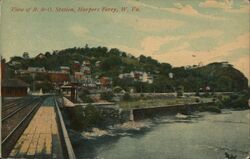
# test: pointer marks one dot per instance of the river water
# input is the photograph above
(198, 136)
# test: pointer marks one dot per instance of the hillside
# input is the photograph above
(218, 76)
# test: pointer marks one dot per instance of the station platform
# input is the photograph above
(41, 139)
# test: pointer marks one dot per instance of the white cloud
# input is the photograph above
(216, 4)
(78, 31)
(183, 56)
(186, 10)
(226, 5)
(182, 46)
(241, 41)
(206, 33)
(152, 44)
(242, 9)
(82, 32)
(149, 24)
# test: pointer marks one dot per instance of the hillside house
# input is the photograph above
(105, 82)
(65, 69)
(58, 76)
(76, 66)
(86, 63)
(98, 63)
(36, 70)
(14, 63)
(125, 75)
(79, 77)
(137, 76)
(89, 82)
(40, 56)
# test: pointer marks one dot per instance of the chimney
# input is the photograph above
(2, 68)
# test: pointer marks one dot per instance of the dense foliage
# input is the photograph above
(236, 101)
(114, 62)
(107, 96)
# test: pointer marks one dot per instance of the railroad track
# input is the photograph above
(15, 123)
(15, 107)
(12, 102)
(9, 111)
(9, 101)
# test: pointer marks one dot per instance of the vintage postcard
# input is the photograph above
(125, 79)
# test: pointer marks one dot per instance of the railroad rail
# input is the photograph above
(9, 101)
(13, 109)
(12, 102)
(15, 123)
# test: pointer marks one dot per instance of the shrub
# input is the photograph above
(197, 100)
(85, 91)
(76, 117)
(107, 96)
(211, 109)
(85, 98)
(239, 101)
(180, 90)
(197, 93)
(126, 97)
(92, 116)
(117, 89)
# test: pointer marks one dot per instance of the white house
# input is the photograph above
(36, 69)
(138, 76)
(64, 68)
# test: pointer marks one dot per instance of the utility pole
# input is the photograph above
(33, 82)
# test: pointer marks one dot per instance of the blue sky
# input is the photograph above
(169, 31)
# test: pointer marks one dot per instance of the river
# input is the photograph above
(198, 136)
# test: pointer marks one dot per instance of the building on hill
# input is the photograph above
(79, 77)
(86, 63)
(89, 82)
(225, 64)
(65, 69)
(14, 63)
(147, 78)
(40, 56)
(76, 66)
(58, 77)
(98, 64)
(138, 76)
(13, 88)
(26, 55)
(105, 82)
(85, 68)
(125, 75)
(36, 70)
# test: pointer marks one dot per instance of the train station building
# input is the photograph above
(13, 88)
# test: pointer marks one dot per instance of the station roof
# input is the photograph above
(67, 103)
(13, 83)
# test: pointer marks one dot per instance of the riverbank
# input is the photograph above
(89, 116)
(200, 135)
(146, 103)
